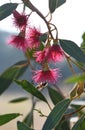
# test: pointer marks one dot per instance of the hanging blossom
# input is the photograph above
(41, 55)
(19, 41)
(46, 75)
(53, 53)
(49, 76)
(20, 20)
(33, 36)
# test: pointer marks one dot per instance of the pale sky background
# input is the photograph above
(69, 18)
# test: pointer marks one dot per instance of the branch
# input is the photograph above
(33, 8)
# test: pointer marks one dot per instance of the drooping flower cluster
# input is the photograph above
(50, 54)
(20, 21)
(26, 38)
(29, 39)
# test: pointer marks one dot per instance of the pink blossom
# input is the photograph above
(20, 20)
(55, 53)
(19, 42)
(41, 55)
(33, 38)
(50, 76)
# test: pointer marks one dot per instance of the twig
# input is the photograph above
(33, 8)
(70, 114)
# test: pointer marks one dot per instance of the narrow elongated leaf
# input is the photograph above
(29, 118)
(55, 96)
(31, 89)
(63, 125)
(82, 127)
(53, 4)
(75, 78)
(18, 100)
(73, 50)
(56, 115)
(7, 9)
(22, 126)
(77, 107)
(8, 117)
(22, 65)
(11, 73)
(77, 126)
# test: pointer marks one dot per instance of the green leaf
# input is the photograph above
(55, 95)
(82, 126)
(53, 4)
(83, 37)
(43, 37)
(8, 117)
(73, 50)
(22, 126)
(83, 43)
(83, 47)
(78, 125)
(77, 107)
(22, 65)
(63, 125)
(7, 9)
(31, 89)
(18, 100)
(15, 71)
(75, 78)
(56, 115)
(29, 118)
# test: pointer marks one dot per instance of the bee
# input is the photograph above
(42, 85)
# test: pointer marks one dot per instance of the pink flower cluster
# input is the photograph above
(26, 38)
(30, 40)
(50, 54)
